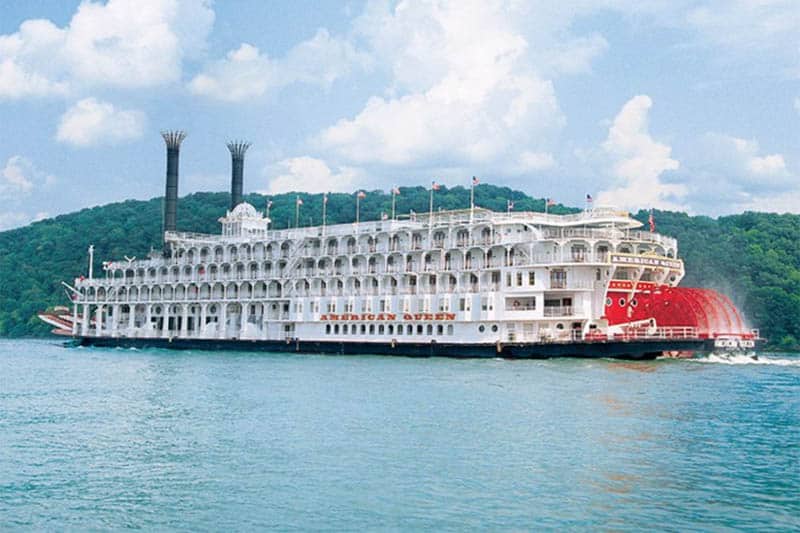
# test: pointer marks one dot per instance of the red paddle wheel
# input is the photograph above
(710, 312)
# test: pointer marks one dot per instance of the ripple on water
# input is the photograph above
(154, 439)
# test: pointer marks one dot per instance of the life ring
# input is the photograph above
(516, 304)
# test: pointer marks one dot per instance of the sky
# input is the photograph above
(673, 104)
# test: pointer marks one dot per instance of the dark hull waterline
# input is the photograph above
(636, 349)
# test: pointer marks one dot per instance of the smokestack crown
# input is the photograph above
(173, 138)
(238, 148)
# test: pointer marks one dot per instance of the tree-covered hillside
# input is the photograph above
(754, 257)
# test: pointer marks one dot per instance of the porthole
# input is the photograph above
(609, 302)
(634, 303)
(481, 328)
(622, 302)
(559, 326)
(494, 328)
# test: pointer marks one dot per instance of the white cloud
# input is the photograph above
(248, 73)
(311, 175)
(91, 121)
(20, 177)
(639, 162)
(16, 175)
(463, 100)
(123, 43)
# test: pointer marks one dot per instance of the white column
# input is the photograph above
(114, 318)
(99, 320)
(131, 319)
(74, 318)
(165, 324)
(223, 314)
(203, 315)
(244, 315)
(185, 321)
(148, 317)
(85, 321)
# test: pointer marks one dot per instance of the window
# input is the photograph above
(622, 302)
(494, 328)
(481, 328)
(430, 329)
(508, 280)
(449, 329)
(558, 279)
(380, 329)
(336, 329)
(419, 329)
(400, 329)
(531, 278)
(383, 305)
(462, 304)
(609, 302)
(519, 279)
(440, 329)
(372, 329)
(363, 329)
(409, 329)
(390, 328)
(327, 329)
(331, 307)
(344, 329)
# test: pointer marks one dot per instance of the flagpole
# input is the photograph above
(394, 200)
(297, 213)
(358, 206)
(472, 201)
(430, 213)
(546, 203)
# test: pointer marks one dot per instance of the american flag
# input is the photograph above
(550, 202)
(299, 201)
(510, 205)
(396, 190)
(475, 180)
(384, 216)
(362, 194)
(652, 222)
(269, 203)
(435, 186)
(325, 198)
(589, 198)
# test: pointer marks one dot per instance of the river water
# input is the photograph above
(108, 439)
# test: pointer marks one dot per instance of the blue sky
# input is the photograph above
(675, 104)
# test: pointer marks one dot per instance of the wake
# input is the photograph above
(743, 359)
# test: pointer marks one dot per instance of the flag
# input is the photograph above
(435, 186)
(299, 201)
(510, 205)
(652, 221)
(384, 216)
(413, 215)
(362, 194)
(589, 198)
(550, 202)
(396, 190)
(475, 180)
(325, 198)
(269, 204)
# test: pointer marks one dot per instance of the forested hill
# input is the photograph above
(753, 257)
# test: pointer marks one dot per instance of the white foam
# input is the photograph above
(743, 359)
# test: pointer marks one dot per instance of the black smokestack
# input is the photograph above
(173, 140)
(237, 148)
